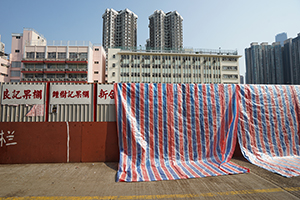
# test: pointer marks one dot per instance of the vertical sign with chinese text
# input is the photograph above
(70, 94)
(105, 94)
(23, 94)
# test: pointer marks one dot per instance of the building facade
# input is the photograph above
(273, 64)
(165, 30)
(34, 59)
(4, 64)
(185, 66)
(119, 28)
(295, 60)
(264, 63)
(281, 37)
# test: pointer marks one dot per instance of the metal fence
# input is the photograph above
(106, 113)
(18, 112)
(56, 111)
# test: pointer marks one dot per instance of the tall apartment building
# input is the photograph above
(281, 37)
(185, 66)
(119, 28)
(34, 59)
(292, 59)
(273, 64)
(295, 60)
(264, 63)
(4, 64)
(165, 30)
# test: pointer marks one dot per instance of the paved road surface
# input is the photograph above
(78, 181)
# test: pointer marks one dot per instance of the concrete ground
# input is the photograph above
(97, 181)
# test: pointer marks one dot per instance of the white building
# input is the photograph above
(185, 66)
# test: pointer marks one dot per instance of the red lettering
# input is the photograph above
(85, 94)
(78, 94)
(37, 94)
(6, 94)
(112, 94)
(55, 94)
(27, 94)
(63, 94)
(15, 94)
(70, 94)
(103, 94)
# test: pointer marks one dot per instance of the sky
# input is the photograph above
(207, 24)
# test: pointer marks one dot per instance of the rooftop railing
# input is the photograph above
(179, 50)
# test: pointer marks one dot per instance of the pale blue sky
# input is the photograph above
(229, 24)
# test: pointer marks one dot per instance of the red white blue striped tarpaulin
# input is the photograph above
(269, 127)
(175, 131)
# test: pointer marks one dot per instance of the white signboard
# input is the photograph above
(70, 94)
(105, 94)
(23, 94)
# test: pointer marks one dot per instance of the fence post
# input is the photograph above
(95, 102)
(47, 101)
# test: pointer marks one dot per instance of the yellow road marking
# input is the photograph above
(165, 196)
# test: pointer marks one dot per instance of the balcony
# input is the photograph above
(55, 61)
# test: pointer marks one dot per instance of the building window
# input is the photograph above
(40, 54)
(96, 49)
(96, 62)
(51, 66)
(72, 75)
(83, 55)
(39, 76)
(28, 75)
(62, 55)
(15, 64)
(96, 72)
(18, 37)
(39, 66)
(114, 56)
(60, 75)
(15, 73)
(113, 74)
(73, 55)
(15, 80)
(113, 65)
(52, 55)
(50, 75)
(17, 51)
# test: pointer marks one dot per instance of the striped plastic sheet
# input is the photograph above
(175, 131)
(269, 127)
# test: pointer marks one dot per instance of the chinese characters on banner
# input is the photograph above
(23, 94)
(70, 94)
(105, 94)
(7, 139)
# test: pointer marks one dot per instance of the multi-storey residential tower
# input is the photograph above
(165, 30)
(281, 37)
(184, 66)
(295, 51)
(157, 30)
(119, 28)
(109, 28)
(273, 64)
(264, 64)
